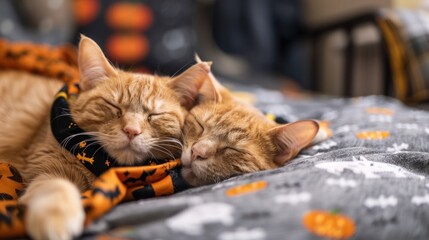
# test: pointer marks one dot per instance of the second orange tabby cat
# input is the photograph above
(224, 137)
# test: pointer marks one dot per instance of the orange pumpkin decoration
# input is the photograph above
(380, 111)
(329, 224)
(135, 16)
(246, 188)
(373, 135)
(85, 11)
(127, 48)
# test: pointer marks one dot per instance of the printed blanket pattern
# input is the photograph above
(369, 181)
(114, 186)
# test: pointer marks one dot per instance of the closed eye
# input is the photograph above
(234, 149)
(157, 114)
(199, 123)
(150, 116)
(113, 105)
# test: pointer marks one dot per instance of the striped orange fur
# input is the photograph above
(133, 116)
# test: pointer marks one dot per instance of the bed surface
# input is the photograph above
(369, 181)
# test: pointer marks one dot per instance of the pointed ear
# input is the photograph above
(211, 88)
(93, 65)
(210, 91)
(188, 84)
(292, 138)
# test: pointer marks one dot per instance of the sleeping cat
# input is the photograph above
(224, 137)
(133, 116)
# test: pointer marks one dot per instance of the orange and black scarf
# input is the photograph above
(71, 137)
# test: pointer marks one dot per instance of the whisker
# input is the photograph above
(74, 147)
(101, 147)
(66, 141)
(93, 143)
(172, 146)
(166, 141)
(153, 156)
(164, 150)
(62, 115)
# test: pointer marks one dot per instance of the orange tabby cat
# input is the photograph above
(133, 116)
(224, 137)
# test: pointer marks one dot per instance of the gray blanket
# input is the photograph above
(369, 181)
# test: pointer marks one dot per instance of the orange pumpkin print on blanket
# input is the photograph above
(373, 135)
(246, 188)
(380, 111)
(331, 225)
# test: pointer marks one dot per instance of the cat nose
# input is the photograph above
(200, 151)
(131, 131)
(197, 154)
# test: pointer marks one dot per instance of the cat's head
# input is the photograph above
(224, 138)
(133, 116)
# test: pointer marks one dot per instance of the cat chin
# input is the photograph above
(190, 177)
(127, 156)
(196, 174)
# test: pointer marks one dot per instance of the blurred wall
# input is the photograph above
(409, 3)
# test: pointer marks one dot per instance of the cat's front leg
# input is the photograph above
(54, 208)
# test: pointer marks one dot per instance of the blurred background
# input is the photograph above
(302, 47)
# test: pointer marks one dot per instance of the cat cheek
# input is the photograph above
(112, 135)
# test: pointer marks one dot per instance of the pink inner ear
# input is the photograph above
(210, 90)
(292, 138)
(93, 65)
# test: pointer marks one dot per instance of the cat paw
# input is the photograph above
(56, 212)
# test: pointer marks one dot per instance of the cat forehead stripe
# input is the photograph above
(158, 105)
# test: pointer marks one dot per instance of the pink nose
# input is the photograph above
(131, 131)
(200, 151)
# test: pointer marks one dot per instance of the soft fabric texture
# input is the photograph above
(83, 146)
(56, 62)
(369, 181)
(114, 186)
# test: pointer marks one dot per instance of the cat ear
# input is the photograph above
(93, 65)
(211, 88)
(292, 138)
(188, 84)
(210, 91)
